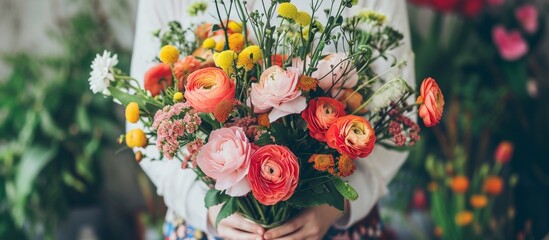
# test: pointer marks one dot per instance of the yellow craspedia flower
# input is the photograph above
(178, 97)
(136, 138)
(236, 42)
(208, 43)
(248, 57)
(219, 46)
(373, 16)
(464, 218)
(478, 201)
(234, 27)
(225, 60)
(169, 54)
(132, 112)
(303, 18)
(287, 10)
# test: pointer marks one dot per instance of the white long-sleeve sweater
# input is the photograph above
(185, 196)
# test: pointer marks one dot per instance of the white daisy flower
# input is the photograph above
(101, 74)
(391, 91)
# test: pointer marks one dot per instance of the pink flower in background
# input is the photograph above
(277, 92)
(495, 2)
(511, 45)
(226, 158)
(335, 72)
(528, 15)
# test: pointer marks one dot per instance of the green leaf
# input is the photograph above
(228, 209)
(125, 98)
(215, 197)
(314, 197)
(215, 27)
(82, 119)
(49, 127)
(345, 189)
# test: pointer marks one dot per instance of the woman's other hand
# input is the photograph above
(235, 226)
(312, 223)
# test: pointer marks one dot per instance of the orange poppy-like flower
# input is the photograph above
(206, 88)
(158, 78)
(351, 135)
(353, 100)
(307, 83)
(320, 114)
(478, 201)
(504, 152)
(464, 218)
(322, 162)
(460, 184)
(432, 102)
(263, 120)
(346, 166)
(183, 68)
(278, 59)
(224, 109)
(493, 185)
(273, 174)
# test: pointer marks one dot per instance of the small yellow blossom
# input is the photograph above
(234, 27)
(225, 60)
(478, 201)
(178, 97)
(303, 18)
(132, 112)
(287, 10)
(236, 42)
(169, 54)
(136, 138)
(138, 156)
(219, 46)
(248, 57)
(208, 43)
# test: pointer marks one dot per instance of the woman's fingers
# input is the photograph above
(228, 232)
(286, 229)
(239, 222)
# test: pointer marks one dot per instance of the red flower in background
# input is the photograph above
(158, 78)
(445, 5)
(431, 102)
(469, 8)
(504, 152)
(472, 8)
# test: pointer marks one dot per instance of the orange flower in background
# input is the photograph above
(236, 42)
(351, 135)
(478, 201)
(460, 184)
(464, 218)
(158, 78)
(433, 186)
(206, 88)
(320, 114)
(346, 166)
(224, 109)
(203, 31)
(504, 152)
(206, 55)
(307, 83)
(273, 174)
(493, 185)
(438, 232)
(322, 162)
(353, 100)
(278, 59)
(263, 120)
(183, 68)
(431, 102)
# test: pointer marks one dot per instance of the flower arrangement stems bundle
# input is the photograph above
(274, 125)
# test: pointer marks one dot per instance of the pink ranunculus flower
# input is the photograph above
(226, 158)
(510, 44)
(277, 92)
(528, 15)
(335, 72)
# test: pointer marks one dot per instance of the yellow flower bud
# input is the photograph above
(209, 43)
(169, 54)
(287, 10)
(178, 97)
(136, 138)
(132, 112)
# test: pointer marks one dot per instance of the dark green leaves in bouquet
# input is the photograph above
(317, 195)
(227, 210)
(125, 98)
(345, 189)
(215, 197)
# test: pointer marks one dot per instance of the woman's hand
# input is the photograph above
(235, 226)
(312, 223)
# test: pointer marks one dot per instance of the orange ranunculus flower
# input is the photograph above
(158, 78)
(320, 114)
(205, 88)
(273, 174)
(504, 152)
(432, 102)
(460, 184)
(353, 100)
(351, 135)
(493, 185)
(183, 68)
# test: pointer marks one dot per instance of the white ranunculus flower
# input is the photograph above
(101, 74)
(391, 91)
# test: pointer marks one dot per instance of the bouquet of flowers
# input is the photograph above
(272, 125)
